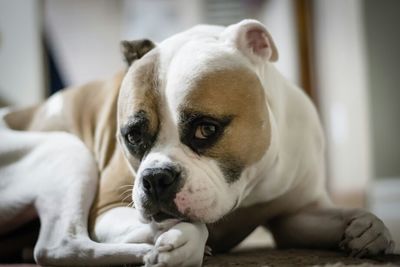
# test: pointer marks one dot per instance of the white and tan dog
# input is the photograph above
(207, 128)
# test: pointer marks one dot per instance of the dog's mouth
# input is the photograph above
(162, 214)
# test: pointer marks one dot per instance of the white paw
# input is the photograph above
(366, 235)
(182, 245)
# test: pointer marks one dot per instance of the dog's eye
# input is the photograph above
(138, 140)
(134, 137)
(205, 131)
(201, 132)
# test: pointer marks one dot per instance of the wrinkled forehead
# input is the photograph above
(214, 82)
(196, 77)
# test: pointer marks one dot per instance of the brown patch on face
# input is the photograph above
(237, 94)
(139, 96)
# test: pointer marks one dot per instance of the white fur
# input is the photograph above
(129, 229)
(214, 50)
(181, 245)
(56, 174)
(261, 182)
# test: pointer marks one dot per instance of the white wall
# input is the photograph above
(21, 57)
(280, 19)
(343, 90)
(85, 34)
(383, 43)
(159, 19)
(85, 38)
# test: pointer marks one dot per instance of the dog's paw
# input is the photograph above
(366, 235)
(182, 245)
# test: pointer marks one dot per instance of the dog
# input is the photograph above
(214, 140)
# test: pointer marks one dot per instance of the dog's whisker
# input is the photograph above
(131, 205)
(125, 198)
(126, 185)
(129, 191)
(126, 194)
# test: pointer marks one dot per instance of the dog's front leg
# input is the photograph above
(122, 225)
(357, 231)
(62, 176)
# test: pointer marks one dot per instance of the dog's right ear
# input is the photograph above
(133, 50)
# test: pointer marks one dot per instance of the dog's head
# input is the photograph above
(193, 120)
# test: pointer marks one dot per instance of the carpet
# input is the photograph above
(295, 257)
(269, 257)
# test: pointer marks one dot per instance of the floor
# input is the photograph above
(384, 201)
(263, 257)
(272, 257)
(257, 250)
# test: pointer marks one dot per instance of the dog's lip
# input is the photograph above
(165, 224)
(159, 212)
(161, 216)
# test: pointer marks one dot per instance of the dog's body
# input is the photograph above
(209, 129)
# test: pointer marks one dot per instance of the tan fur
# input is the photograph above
(238, 93)
(89, 112)
(20, 119)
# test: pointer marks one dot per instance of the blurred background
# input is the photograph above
(344, 53)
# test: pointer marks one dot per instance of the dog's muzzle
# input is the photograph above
(160, 186)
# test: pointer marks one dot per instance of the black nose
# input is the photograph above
(158, 182)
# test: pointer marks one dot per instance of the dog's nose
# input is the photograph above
(158, 181)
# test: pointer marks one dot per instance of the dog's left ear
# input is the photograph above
(133, 50)
(253, 40)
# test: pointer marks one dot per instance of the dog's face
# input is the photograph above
(193, 122)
